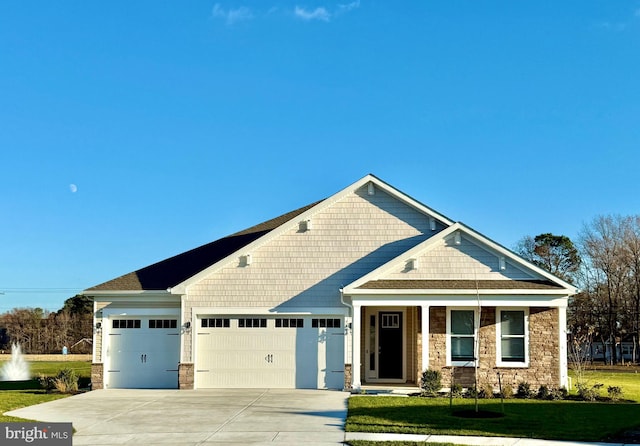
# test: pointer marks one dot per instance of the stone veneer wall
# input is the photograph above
(347, 377)
(97, 379)
(185, 376)
(544, 351)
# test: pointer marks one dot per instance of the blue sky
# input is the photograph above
(133, 131)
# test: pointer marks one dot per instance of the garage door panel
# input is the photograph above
(143, 357)
(291, 357)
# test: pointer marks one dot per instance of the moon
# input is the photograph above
(73, 188)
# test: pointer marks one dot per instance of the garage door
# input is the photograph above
(143, 353)
(286, 352)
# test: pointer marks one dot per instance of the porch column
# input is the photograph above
(425, 337)
(355, 349)
(562, 325)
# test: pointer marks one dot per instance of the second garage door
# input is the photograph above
(257, 351)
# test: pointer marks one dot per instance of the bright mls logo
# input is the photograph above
(36, 434)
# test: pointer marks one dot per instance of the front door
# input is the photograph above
(390, 351)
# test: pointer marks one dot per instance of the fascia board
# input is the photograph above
(446, 291)
(451, 301)
(383, 269)
(182, 288)
(123, 293)
(269, 311)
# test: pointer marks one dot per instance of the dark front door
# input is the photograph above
(390, 345)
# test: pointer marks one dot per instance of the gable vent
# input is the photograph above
(245, 260)
(305, 225)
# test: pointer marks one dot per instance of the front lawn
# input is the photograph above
(561, 420)
(17, 399)
(18, 394)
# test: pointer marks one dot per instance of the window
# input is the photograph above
(215, 322)
(252, 323)
(461, 331)
(390, 321)
(289, 323)
(163, 323)
(126, 323)
(325, 323)
(512, 342)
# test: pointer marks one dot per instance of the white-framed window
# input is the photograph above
(462, 331)
(512, 337)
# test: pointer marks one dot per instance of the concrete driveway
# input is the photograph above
(199, 417)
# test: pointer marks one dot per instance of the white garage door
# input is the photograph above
(287, 352)
(143, 353)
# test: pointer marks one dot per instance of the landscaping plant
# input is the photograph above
(431, 382)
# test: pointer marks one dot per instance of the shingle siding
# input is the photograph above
(464, 261)
(306, 269)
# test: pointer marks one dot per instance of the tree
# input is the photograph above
(554, 253)
(603, 247)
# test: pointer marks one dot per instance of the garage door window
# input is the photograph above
(215, 322)
(252, 323)
(289, 323)
(325, 323)
(163, 323)
(126, 323)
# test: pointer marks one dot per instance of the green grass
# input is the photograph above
(629, 381)
(394, 443)
(16, 399)
(559, 420)
(50, 368)
(18, 394)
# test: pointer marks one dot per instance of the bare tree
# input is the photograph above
(602, 246)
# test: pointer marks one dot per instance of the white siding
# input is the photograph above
(464, 261)
(348, 239)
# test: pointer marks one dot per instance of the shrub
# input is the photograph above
(481, 392)
(557, 394)
(431, 382)
(524, 390)
(587, 393)
(615, 392)
(487, 391)
(543, 392)
(66, 381)
(507, 392)
(46, 382)
(456, 389)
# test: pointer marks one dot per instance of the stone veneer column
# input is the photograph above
(97, 379)
(185, 376)
(347, 377)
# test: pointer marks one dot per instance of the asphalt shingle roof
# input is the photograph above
(175, 270)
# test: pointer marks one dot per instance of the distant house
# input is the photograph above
(366, 286)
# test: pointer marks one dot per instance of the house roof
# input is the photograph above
(408, 284)
(174, 270)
